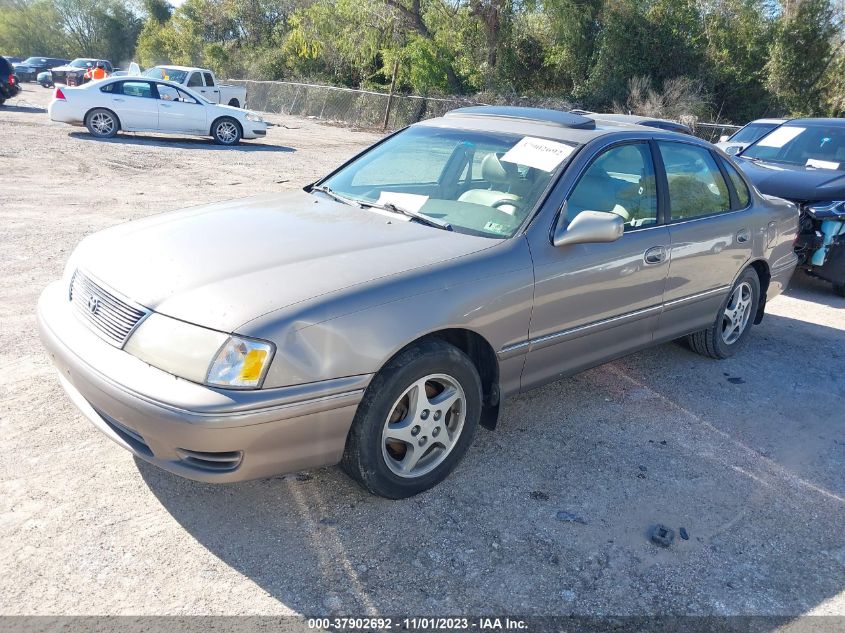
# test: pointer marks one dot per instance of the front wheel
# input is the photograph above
(226, 131)
(102, 123)
(732, 324)
(415, 422)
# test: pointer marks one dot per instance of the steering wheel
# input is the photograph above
(506, 202)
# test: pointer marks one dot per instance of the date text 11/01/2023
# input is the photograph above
(417, 624)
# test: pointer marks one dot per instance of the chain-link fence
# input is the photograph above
(358, 108)
(367, 108)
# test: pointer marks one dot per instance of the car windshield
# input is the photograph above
(482, 183)
(34, 60)
(168, 74)
(752, 132)
(810, 145)
(81, 62)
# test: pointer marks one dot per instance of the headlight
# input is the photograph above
(199, 354)
(834, 210)
(251, 116)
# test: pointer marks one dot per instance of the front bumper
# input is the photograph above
(205, 434)
(254, 129)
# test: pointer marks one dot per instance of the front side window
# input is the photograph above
(621, 181)
(696, 186)
(137, 89)
(482, 183)
(169, 93)
(805, 144)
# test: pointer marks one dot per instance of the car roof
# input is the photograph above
(540, 122)
(185, 68)
(818, 122)
(778, 121)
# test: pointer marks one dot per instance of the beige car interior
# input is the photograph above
(508, 186)
(610, 186)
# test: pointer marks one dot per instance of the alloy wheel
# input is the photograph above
(227, 132)
(102, 123)
(423, 426)
(737, 313)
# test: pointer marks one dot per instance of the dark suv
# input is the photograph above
(8, 83)
(28, 69)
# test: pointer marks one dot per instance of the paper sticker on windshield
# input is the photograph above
(538, 153)
(781, 136)
(409, 201)
(821, 164)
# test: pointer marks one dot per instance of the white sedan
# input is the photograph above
(140, 104)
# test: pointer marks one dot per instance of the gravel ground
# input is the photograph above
(547, 515)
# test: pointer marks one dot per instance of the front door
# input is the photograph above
(597, 301)
(180, 112)
(710, 236)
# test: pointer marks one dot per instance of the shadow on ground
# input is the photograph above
(130, 138)
(20, 108)
(746, 455)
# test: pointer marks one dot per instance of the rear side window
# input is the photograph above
(137, 89)
(696, 185)
(742, 193)
(209, 80)
(195, 80)
(107, 88)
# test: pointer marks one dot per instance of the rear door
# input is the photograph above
(180, 112)
(710, 232)
(135, 104)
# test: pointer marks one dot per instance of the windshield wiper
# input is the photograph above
(335, 196)
(420, 217)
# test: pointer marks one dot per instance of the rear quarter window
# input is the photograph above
(742, 193)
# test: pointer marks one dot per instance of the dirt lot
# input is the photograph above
(747, 454)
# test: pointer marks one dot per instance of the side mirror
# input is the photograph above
(589, 227)
(724, 138)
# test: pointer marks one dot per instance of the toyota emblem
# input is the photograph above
(93, 305)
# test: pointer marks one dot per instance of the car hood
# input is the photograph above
(795, 182)
(222, 265)
(68, 68)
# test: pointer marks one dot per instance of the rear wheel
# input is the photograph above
(102, 123)
(733, 323)
(415, 422)
(226, 131)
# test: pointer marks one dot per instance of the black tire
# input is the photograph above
(839, 288)
(226, 131)
(234, 103)
(711, 342)
(367, 453)
(102, 123)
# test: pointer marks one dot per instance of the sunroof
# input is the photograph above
(553, 117)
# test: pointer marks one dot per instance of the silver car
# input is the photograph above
(379, 316)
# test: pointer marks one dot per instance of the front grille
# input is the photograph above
(113, 318)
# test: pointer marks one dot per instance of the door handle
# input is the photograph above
(164, 105)
(743, 235)
(117, 100)
(655, 255)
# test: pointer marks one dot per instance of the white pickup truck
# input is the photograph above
(203, 81)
